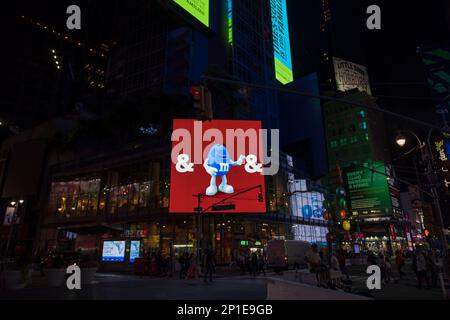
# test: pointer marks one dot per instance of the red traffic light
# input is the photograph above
(195, 91)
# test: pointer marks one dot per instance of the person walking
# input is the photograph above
(388, 269)
(184, 263)
(400, 262)
(254, 264)
(153, 265)
(192, 272)
(170, 263)
(382, 265)
(422, 270)
(342, 263)
(209, 265)
(261, 264)
(433, 268)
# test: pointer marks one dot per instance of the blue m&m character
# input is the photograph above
(219, 158)
(218, 164)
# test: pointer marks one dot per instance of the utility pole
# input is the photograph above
(198, 210)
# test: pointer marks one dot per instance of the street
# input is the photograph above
(226, 286)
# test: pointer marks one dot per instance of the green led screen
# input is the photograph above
(281, 42)
(199, 9)
(368, 189)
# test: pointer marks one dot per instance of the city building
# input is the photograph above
(49, 71)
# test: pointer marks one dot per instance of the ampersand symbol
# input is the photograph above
(183, 165)
(251, 166)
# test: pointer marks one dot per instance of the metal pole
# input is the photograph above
(198, 211)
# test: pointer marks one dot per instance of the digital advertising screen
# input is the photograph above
(281, 42)
(199, 9)
(308, 205)
(368, 189)
(113, 251)
(217, 164)
(135, 246)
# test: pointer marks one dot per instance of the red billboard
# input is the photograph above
(217, 166)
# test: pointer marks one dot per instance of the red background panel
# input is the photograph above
(183, 186)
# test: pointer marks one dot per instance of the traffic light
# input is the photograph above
(202, 103)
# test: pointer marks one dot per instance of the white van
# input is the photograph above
(285, 254)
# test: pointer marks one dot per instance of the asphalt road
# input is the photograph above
(226, 286)
(127, 287)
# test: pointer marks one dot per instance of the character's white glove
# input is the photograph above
(240, 160)
(210, 170)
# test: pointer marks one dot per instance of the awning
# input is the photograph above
(91, 228)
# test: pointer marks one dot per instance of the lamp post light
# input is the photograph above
(401, 141)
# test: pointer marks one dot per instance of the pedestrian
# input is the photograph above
(388, 269)
(242, 262)
(159, 264)
(372, 259)
(261, 264)
(153, 265)
(312, 258)
(400, 262)
(170, 263)
(254, 264)
(433, 268)
(184, 263)
(192, 272)
(382, 265)
(342, 263)
(209, 265)
(422, 271)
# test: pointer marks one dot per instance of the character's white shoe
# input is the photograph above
(211, 191)
(226, 188)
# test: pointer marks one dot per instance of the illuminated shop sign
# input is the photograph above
(219, 164)
(281, 42)
(199, 9)
(441, 153)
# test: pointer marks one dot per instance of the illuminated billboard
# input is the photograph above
(216, 166)
(308, 205)
(350, 75)
(368, 189)
(281, 42)
(113, 251)
(199, 9)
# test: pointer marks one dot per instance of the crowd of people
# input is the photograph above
(254, 263)
(186, 265)
(426, 265)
